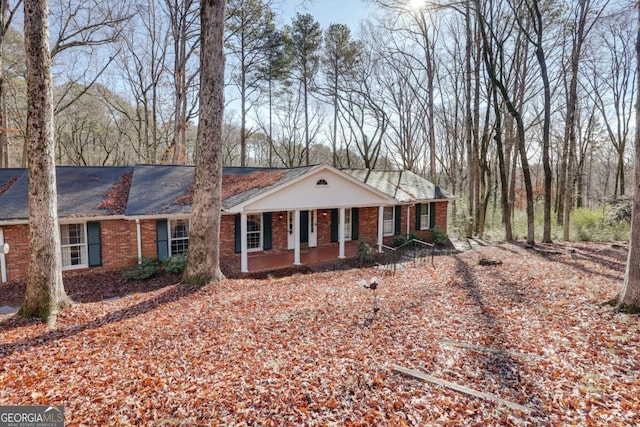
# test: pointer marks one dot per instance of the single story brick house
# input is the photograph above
(112, 217)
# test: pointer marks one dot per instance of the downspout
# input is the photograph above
(139, 240)
(3, 263)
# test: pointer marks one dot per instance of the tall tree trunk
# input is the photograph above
(629, 298)
(504, 193)
(45, 294)
(203, 261)
(468, 121)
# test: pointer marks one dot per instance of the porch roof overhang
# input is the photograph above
(309, 191)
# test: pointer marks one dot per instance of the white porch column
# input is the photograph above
(3, 263)
(244, 259)
(380, 227)
(296, 237)
(341, 232)
(408, 220)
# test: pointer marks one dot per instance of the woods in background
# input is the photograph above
(511, 105)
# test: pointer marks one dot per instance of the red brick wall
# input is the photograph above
(17, 260)
(117, 237)
(148, 236)
(119, 244)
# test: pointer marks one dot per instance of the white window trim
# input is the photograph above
(393, 221)
(261, 246)
(348, 213)
(170, 239)
(425, 218)
(84, 247)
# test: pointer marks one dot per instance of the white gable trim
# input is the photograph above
(369, 196)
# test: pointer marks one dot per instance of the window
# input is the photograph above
(389, 222)
(347, 224)
(179, 243)
(254, 232)
(322, 182)
(424, 216)
(73, 238)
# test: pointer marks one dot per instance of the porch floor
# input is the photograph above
(308, 257)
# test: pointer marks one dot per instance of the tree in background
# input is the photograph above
(183, 18)
(340, 58)
(203, 260)
(629, 297)
(250, 41)
(274, 70)
(307, 38)
(45, 294)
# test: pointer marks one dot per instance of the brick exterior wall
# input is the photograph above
(148, 236)
(17, 260)
(119, 243)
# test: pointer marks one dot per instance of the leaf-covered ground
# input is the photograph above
(305, 350)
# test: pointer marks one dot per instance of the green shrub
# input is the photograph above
(145, 270)
(438, 236)
(398, 241)
(175, 263)
(586, 223)
(363, 252)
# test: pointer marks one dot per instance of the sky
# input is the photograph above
(326, 12)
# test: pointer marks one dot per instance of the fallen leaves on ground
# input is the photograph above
(306, 350)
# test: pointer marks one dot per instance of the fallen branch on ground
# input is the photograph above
(462, 389)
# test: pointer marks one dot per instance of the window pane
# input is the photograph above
(179, 236)
(347, 224)
(388, 213)
(424, 216)
(73, 245)
(254, 231)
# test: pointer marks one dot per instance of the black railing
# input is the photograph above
(389, 258)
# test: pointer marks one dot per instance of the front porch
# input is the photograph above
(308, 256)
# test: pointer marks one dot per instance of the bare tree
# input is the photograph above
(183, 19)
(629, 297)
(7, 13)
(45, 294)
(203, 260)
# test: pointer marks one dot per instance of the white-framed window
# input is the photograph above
(254, 232)
(322, 183)
(425, 218)
(347, 224)
(389, 220)
(179, 236)
(73, 244)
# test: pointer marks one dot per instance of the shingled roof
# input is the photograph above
(167, 189)
(404, 186)
(161, 190)
(82, 191)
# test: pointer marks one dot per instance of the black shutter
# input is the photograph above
(266, 223)
(418, 212)
(237, 234)
(398, 220)
(354, 224)
(162, 239)
(94, 244)
(334, 225)
(432, 215)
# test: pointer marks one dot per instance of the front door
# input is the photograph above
(308, 229)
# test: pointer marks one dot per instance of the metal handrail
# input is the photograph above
(431, 245)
